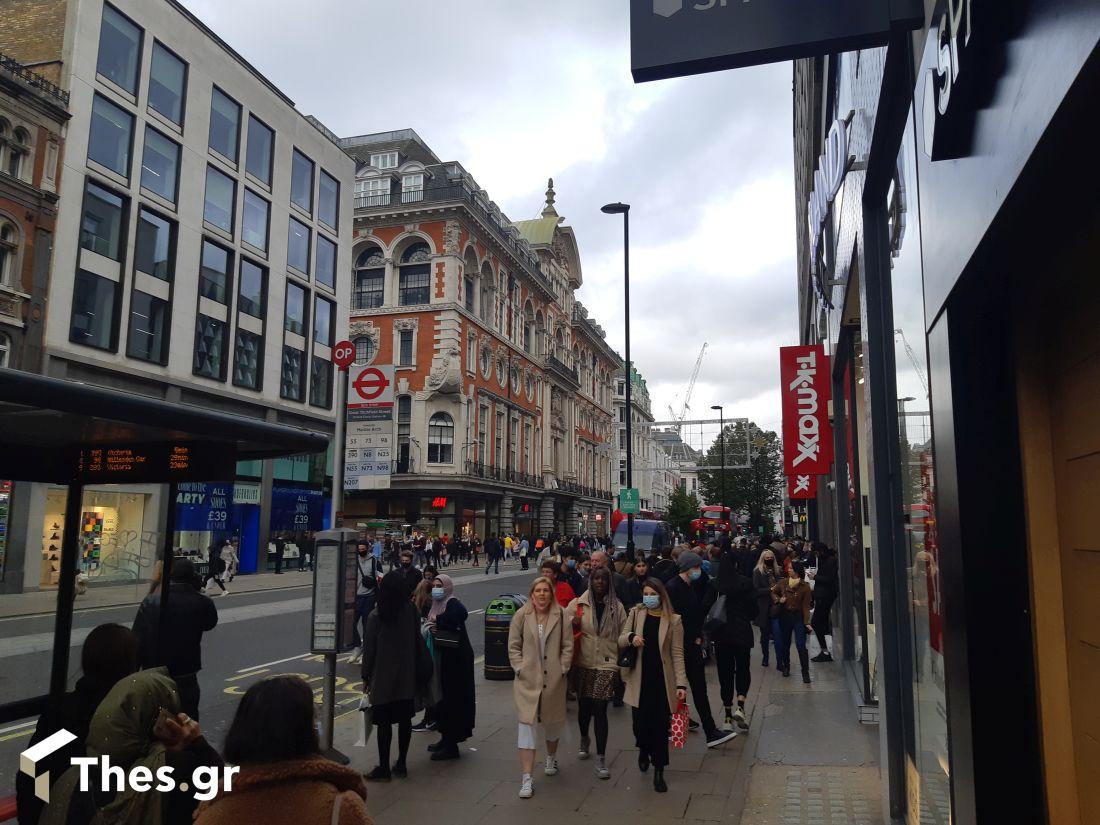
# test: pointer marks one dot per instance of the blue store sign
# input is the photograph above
(296, 509)
(204, 507)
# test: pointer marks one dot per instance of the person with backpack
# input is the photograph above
(793, 596)
(365, 594)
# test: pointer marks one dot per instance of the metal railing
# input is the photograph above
(458, 192)
(32, 79)
(476, 469)
(557, 365)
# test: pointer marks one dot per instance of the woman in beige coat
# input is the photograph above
(597, 618)
(540, 649)
(655, 686)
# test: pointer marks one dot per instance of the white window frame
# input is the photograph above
(384, 160)
(397, 347)
(376, 189)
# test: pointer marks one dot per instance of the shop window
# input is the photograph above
(441, 438)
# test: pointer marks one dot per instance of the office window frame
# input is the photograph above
(319, 274)
(98, 99)
(318, 301)
(211, 169)
(160, 48)
(248, 193)
(309, 246)
(138, 51)
(246, 302)
(159, 135)
(123, 218)
(237, 338)
(170, 259)
(112, 333)
(227, 287)
(295, 156)
(166, 321)
(266, 181)
(284, 392)
(223, 363)
(304, 324)
(233, 159)
(334, 225)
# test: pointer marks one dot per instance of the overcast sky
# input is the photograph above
(522, 90)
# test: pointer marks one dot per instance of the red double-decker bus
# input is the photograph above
(714, 520)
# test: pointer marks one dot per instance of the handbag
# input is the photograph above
(678, 727)
(446, 638)
(628, 656)
(716, 617)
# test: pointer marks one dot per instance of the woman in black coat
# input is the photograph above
(455, 712)
(826, 587)
(733, 641)
(764, 576)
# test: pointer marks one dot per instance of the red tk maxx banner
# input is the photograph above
(807, 434)
(799, 487)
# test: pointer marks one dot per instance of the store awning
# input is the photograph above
(53, 430)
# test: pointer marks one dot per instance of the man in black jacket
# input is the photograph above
(493, 551)
(189, 615)
(690, 607)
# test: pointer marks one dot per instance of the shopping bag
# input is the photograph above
(716, 617)
(366, 721)
(678, 729)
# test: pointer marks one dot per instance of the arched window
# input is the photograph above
(441, 439)
(5, 349)
(8, 247)
(486, 293)
(16, 151)
(528, 327)
(469, 281)
(365, 349)
(370, 279)
(404, 420)
(559, 345)
(415, 275)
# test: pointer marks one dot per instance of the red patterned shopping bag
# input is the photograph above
(678, 729)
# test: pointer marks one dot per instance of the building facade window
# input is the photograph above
(365, 349)
(103, 223)
(469, 283)
(154, 250)
(404, 432)
(247, 359)
(5, 350)
(255, 219)
(260, 150)
(225, 124)
(326, 262)
(498, 440)
(373, 192)
(9, 248)
(412, 188)
(320, 382)
(119, 49)
(160, 165)
(301, 181)
(167, 84)
(405, 348)
(252, 298)
(295, 320)
(94, 306)
(18, 149)
(384, 160)
(210, 344)
(441, 439)
(110, 136)
(415, 273)
(323, 321)
(291, 385)
(220, 200)
(214, 272)
(483, 434)
(297, 246)
(147, 338)
(370, 277)
(328, 201)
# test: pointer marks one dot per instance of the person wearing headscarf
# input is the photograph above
(391, 645)
(283, 779)
(597, 617)
(109, 654)
(138, 724)
(456, 710)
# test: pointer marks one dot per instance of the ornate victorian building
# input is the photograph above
(503, 414)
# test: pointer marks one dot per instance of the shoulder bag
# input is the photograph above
(628, 656)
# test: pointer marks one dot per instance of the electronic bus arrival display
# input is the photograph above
(151, 463)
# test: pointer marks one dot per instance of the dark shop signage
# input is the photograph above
(673, 38)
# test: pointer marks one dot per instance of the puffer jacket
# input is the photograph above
(596, 652)
(295, 792)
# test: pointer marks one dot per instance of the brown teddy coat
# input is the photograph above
(540, 684)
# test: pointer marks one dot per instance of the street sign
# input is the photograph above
(343, 354)
(629, 501)
(368, 440)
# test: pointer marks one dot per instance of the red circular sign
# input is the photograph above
(343, 354)
(370, 384)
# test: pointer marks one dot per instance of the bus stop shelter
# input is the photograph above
(67, 433)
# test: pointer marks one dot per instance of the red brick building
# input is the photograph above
(503, 414)
(33, 114)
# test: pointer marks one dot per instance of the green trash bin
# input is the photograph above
(498, 618)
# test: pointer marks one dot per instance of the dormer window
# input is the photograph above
(412, 188)
(384, 160)
(372, 192)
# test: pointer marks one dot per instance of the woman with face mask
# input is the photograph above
(793, 596)
(656, 684)
(764, 577)
(540, 650)
(454, 713)
(639, 572)
(597, 619)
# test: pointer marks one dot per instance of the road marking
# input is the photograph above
(472, 612)
(478, 660)
(269, 664)
(246, 675)
(17, 727)
(26, 732)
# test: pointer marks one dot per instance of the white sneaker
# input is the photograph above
(527, 787)
(551, 765)
(601, 768)
(225, 592)
(740, 720)
(356, 657)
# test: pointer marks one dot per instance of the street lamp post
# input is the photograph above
(624, 210)
(722, 458)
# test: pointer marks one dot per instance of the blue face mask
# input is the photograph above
(571, 563)
(651, 600)
(695, 573)
(437, 593)
(706, 565)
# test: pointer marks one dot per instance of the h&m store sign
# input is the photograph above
(673, 38)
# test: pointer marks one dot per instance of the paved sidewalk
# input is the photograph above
(44, 602)
(804, 761)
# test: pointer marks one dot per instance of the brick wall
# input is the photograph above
(33, 31)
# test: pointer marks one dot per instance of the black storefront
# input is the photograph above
(957, 291)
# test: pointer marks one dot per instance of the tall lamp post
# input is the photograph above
(624, 210)
(722, 458)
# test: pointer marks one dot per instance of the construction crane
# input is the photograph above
(690, 389)
(914, 360)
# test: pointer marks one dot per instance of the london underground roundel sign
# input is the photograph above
(370, 384)
(343, 354)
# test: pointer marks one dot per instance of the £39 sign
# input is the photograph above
(807, 434)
